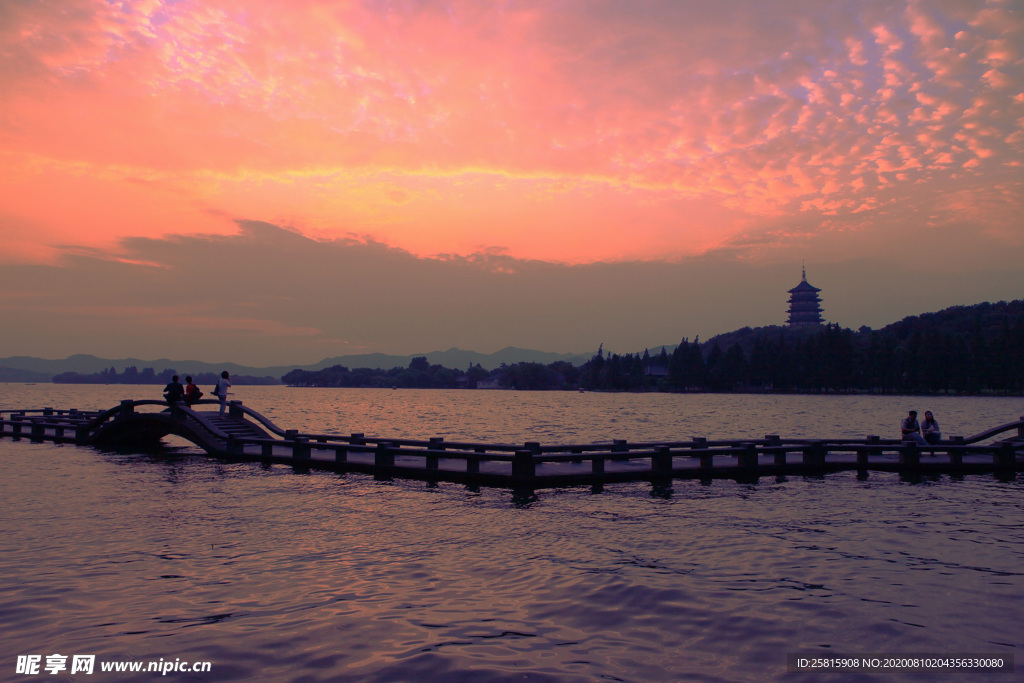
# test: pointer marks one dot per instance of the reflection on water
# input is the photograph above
(274, 575)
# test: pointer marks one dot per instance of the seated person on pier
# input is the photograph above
(911, 429)
(932, 433)
(173, 391)
(192, 392)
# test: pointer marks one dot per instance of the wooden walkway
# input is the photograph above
(244, 434)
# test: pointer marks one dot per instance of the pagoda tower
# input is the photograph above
(804, 304)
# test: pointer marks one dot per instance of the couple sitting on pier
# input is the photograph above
(174, 392)
(912, 431)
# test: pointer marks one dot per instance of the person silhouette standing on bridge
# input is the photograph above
(173, 392)
(221, 390)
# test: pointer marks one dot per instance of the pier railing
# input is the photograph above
(527, 465)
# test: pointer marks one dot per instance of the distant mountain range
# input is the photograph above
(31, 369)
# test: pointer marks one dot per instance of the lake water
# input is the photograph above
(273, 575)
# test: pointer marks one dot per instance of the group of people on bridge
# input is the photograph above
(190, 393)
(923, 434)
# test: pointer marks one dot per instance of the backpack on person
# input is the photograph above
(216, 390)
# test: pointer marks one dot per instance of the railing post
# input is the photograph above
(356, 438)
(127, 408)
(910, 454)
(1020, 428)
(661, 462)
(340, 454)
(774, 441)
(235, 409)
(473, 464)
(956, 457)
(597, 463)
(699, 443)
(300, 448)
(707, 460)
(1005, 456)
(432, 462)
(383, 458)
(620, 446)
(748, 458)
(864, 457)
(436, 444)
(814, 454)
(524, 468)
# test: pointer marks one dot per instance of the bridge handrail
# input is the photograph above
(259, 417)
(98, 421)
(988, 434)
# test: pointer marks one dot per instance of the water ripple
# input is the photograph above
(321, 577)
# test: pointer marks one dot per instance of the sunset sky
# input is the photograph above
(275, 182)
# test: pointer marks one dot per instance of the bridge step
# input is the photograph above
(237, 426)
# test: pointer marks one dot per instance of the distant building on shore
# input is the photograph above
(804, 304)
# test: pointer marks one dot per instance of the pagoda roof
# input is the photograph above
(804, 286)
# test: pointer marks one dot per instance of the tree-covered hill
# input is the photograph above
(963, 350)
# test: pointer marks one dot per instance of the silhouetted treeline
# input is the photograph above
(422, 375)
(132, 375)
(963, 350)
(419, 375)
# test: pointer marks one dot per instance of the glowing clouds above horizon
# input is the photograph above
(578, 132)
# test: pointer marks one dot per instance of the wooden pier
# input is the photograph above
(243, 434)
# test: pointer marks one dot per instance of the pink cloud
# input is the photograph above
(443, 128)
(887, 39)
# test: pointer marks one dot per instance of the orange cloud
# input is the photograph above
(572, 132)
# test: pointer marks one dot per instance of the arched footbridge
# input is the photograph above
(142, 423)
